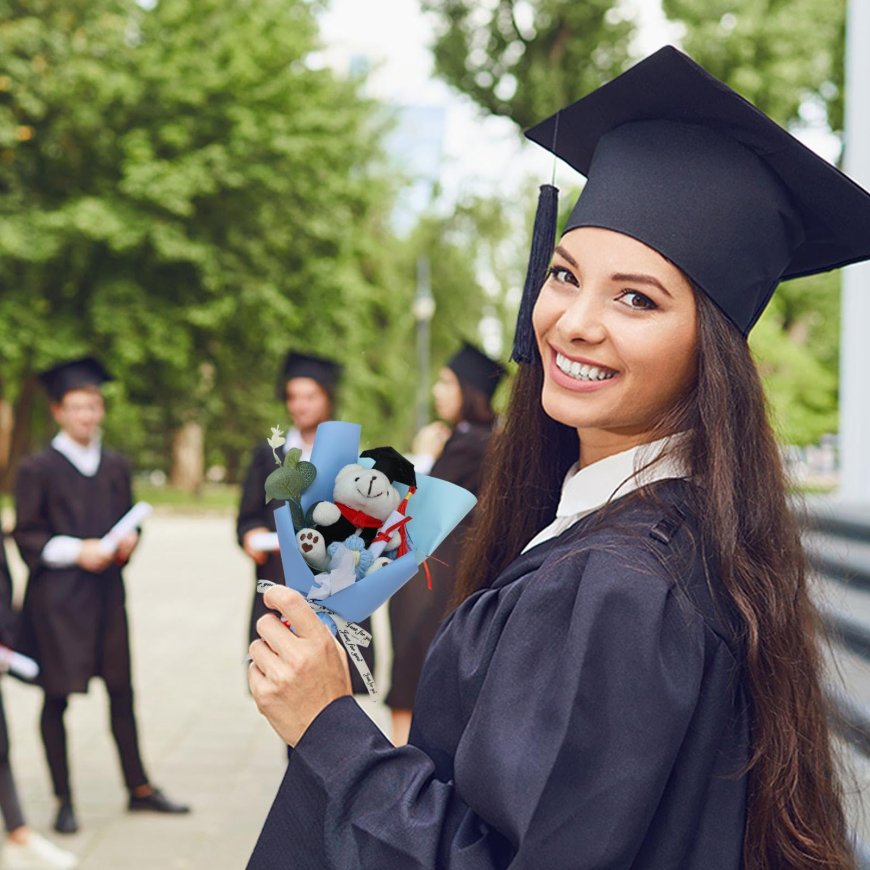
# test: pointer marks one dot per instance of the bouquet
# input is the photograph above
(346, 581)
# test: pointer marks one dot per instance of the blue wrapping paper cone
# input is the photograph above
(435, 508)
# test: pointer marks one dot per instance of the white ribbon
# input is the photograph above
(353, 637)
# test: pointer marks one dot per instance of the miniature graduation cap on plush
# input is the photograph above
(389, 461)
(73, 375)
(679, 161)
(300, 365)
(474, 367)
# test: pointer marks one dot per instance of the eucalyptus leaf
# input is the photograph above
(294, 454)
(308, 473)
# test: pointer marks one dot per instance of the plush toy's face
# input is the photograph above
(367, 490)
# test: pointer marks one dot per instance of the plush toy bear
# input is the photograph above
(363, 498)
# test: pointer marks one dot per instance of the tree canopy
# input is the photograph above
(524, 60)
(184, 194)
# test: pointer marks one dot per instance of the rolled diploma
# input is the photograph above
(18, 664)
(377, 547)
(109, 542)
(266, 542)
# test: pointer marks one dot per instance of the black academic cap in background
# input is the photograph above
(393, 464)
(474, 367)
(71, 375)
(301, 365)
(679, 161)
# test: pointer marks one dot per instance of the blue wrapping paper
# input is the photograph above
(435, 509)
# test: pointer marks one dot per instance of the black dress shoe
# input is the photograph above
(156, 802)
(65, 820)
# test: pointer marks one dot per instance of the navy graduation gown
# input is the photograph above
(73, 621)
(585, 711)
(415, 610)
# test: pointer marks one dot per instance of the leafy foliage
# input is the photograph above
(780, 54)
(524, 60)
(183, 194)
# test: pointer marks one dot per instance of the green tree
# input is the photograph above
(183, 194)
(524, 60)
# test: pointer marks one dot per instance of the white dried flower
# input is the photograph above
(275, 441)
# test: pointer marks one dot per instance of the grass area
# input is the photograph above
(212, 497)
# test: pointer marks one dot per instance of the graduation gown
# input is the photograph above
(255, 513)
(415, 610)
(73, 621)
(587, 710)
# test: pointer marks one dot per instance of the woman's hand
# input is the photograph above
(295, 674)
(430, 440)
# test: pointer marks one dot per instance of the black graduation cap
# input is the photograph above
(301, 365)
(71, 375)
(393, 464)
(679, 161)
(474, 367)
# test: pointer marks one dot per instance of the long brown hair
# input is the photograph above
(751, 544)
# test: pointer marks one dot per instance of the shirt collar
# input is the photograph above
(85, 458)
(592, 487)
(615, 476)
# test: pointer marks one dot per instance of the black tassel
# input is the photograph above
(543, 242)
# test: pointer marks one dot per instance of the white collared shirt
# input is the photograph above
(86, 458)
(62, 551)
(592, 487)
(294, 439)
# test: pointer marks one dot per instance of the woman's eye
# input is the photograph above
(561, 275)
(633, 299)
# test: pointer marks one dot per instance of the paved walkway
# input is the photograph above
(203, 740)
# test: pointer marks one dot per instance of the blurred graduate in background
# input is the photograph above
(451, 448)
(74, 621)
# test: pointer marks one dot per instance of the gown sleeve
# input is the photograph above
(568, 746)
(253, 511)
(32, 527)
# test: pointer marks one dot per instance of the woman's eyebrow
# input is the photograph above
(566, 256)
(641, 279)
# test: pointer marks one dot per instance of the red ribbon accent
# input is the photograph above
(359, 519)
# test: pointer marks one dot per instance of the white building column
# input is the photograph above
(855, 324)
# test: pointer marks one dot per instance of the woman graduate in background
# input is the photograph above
(632, 678)
(455, 446)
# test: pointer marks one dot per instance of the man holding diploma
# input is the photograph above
(70, 498)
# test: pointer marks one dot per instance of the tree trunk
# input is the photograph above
(20, 436)
(188, 458)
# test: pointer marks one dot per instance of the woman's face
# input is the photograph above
(448, 396)
(307, 403)
(616, 327)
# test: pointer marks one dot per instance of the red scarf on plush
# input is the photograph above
(358, 519)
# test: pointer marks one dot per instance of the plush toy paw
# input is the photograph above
(393, 543)
(378, 564)
(325, 513)
(313, 548)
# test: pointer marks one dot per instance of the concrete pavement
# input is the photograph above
(203, 741)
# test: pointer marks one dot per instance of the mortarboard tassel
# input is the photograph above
(543, 240)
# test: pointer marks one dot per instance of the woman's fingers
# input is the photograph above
(295, 609)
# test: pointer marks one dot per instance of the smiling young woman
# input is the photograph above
(630, 677)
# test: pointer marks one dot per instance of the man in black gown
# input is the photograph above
(68, 497)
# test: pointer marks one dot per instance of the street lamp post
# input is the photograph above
(423, 310)
(855, 318)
